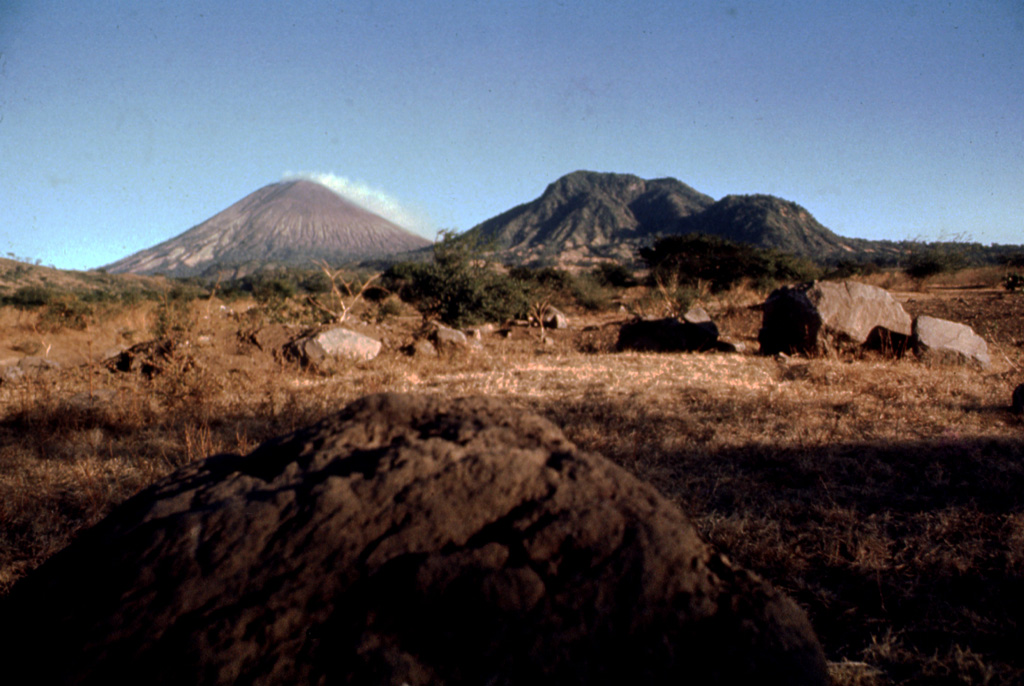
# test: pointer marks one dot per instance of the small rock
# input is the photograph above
(421, 347)
(446, 338)
(554, 318)
(33, 363)
(334, 344)
(727, 346)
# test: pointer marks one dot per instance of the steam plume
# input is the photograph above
(372, 199)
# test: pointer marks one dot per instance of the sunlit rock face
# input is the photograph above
(291, 223)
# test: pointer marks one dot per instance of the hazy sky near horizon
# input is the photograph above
(123, 124)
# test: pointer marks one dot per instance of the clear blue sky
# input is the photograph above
(123, 124)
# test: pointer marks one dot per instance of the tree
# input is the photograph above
(457, 286)
(696, 260)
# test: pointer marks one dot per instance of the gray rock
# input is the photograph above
(667, 335)
(479, 332)
(697, 315)
(940, 340)
(727, 346)
(33, 363)
(90, 401)
(336, 344)
(421, 347)
(448, 339)
(408, 539)
(818, 317)
(1017, 404)
(554, 318)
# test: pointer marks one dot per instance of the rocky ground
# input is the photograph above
(883, 495)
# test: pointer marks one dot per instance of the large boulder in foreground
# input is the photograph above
(408, 539)
(822, 316)
(943, 341)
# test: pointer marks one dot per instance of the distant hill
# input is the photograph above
(17, 274)
(587, 215)
(767, 222)
(290, 223)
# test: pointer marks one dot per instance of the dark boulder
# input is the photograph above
(408, 539)
(668, 335)
(149, 358)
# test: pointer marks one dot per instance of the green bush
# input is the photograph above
(934, 260)
(457, 287)
(31, 297)
(614, 275)
(65, 312)
(695, 259)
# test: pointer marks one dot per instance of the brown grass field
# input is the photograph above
(885, 496)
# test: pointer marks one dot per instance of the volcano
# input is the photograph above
(289, 223)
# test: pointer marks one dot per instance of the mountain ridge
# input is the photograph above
(585, 217)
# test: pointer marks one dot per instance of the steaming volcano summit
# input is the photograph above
(291, 223)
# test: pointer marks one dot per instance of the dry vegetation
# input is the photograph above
(885, 496)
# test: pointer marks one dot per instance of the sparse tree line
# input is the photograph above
(460, 286)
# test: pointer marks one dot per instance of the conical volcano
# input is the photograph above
(287, 223)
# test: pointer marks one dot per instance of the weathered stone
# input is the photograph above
(336, 344)
(554, 318)
(421, 347)
(90, 401)
(408, 539)
(33, 363)
(697, 315)
(448, 339)
(940, 340)
(727, 346)
(667, 335)
(148, 358)
(1017, 404)
(817, 317)
(479, 332)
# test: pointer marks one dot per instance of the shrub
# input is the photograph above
(614, 275)
(1013, 281)
(696, 259)
(457, 287)
(31, 297)
(933, 260)
(65, 312)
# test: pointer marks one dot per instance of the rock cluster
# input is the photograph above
(823, 316)
(408, 539)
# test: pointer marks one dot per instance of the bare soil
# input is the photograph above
(886, 496)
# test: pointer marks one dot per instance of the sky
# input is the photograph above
(123, 124)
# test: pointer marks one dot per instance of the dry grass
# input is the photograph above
(885, 496)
